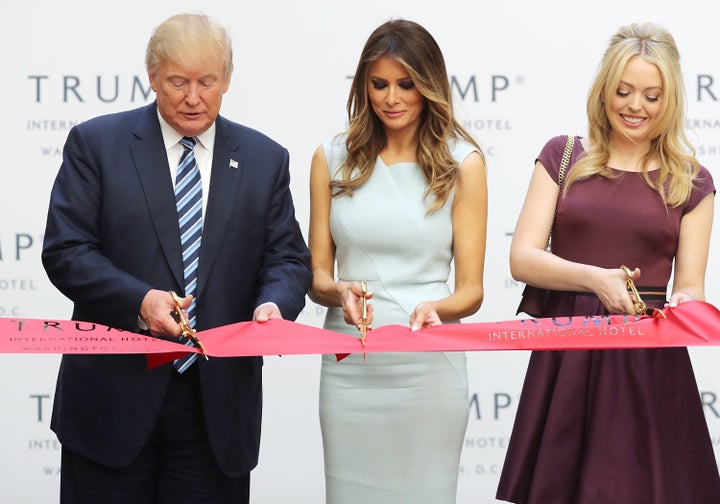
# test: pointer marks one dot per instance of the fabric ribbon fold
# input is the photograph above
(694, 323)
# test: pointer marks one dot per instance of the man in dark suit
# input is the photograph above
(130, 434)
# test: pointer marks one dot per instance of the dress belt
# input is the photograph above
(646, 293)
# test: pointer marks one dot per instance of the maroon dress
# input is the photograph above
(611, 426)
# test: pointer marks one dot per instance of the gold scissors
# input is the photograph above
(363, 326)
(185, 330)
(640, 307)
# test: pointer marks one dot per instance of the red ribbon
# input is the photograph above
(690, 324)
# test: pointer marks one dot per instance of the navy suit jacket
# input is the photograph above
(112, 235)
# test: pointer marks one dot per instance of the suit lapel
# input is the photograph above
(151, 163)
(225, 183)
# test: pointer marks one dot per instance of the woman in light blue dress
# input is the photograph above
(399, 202)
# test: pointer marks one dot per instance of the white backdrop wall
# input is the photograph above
(521, 71)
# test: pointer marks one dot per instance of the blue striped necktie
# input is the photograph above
(188, 199)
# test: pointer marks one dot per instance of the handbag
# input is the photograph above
(534, 298)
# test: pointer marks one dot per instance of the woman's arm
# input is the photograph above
(692, 253)
(325, 290)
(532, 264)
(469, 222)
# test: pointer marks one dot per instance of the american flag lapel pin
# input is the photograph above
(233, 163)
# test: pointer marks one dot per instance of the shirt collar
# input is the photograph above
(172, 137)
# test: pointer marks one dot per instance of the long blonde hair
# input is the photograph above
(669, 145)
(415, 49)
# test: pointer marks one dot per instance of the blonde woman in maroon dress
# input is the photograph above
(616, 426)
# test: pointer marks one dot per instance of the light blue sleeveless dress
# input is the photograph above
(393, 426)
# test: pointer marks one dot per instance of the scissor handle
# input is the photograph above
(185, 330)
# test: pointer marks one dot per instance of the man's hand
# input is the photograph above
(157, 309)
(266, 311)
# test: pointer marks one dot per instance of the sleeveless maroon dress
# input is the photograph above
(611, 426)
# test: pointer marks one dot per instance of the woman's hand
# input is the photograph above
(681, 296)
(351, 296)
(424, 315)
(612, 290)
